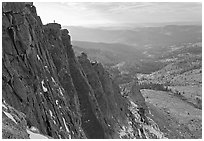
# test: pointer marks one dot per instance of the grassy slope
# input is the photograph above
(174, 114)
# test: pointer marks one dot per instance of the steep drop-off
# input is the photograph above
(46, 88)
(36, 77)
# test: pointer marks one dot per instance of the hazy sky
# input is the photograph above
(115, 13)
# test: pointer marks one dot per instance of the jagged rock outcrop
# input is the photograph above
(113, 106)
(91, 116)
(136, 95)
(14, 123)
(58, 94)
(43, 79)
(36, 79)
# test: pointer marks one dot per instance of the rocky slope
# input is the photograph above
(53, 93)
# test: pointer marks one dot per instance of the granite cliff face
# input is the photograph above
(58, 94)
(36, 76)
(111, 103)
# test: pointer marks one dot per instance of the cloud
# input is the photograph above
(84, 13)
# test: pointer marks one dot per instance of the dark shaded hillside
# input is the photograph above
(111, 55)
(125, 52)
(146, 60)
(105, 57)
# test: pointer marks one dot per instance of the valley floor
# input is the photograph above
(175, 117)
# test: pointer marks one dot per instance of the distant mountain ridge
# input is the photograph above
(140, 37)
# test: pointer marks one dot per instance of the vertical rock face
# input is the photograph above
(36, 77)
(113, 106)
(14, 123)
(136, 95)
(88, 105)
(57, 93)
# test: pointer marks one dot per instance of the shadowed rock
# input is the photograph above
(59, 94)
(31, 82)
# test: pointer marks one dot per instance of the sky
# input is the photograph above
(117, 13)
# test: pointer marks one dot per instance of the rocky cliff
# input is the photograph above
(35, 73)
(56, 93)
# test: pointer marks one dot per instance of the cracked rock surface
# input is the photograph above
(57, 94)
